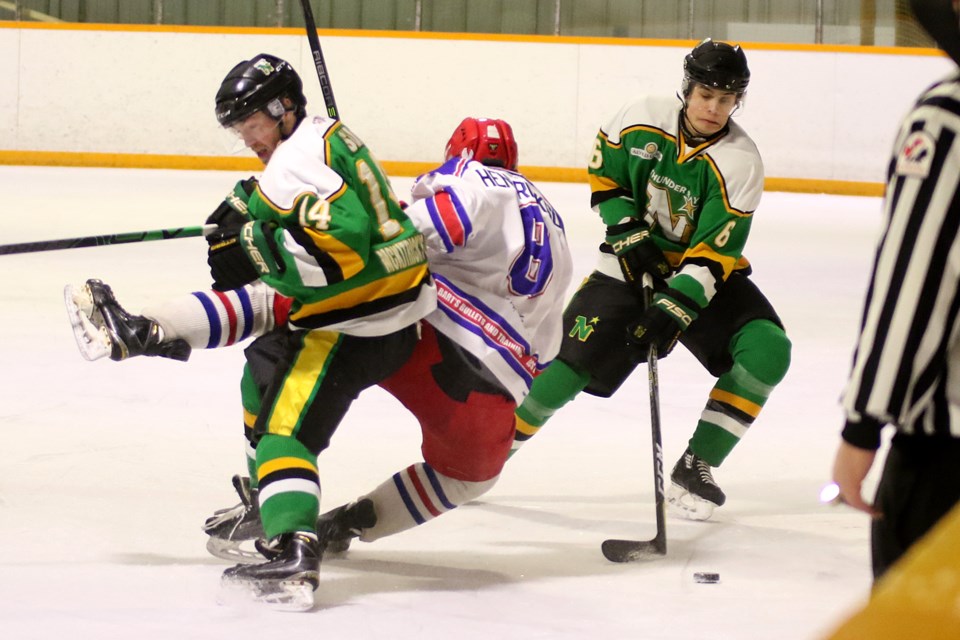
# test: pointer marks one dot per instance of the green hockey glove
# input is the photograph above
(662, 322)
(637, 253)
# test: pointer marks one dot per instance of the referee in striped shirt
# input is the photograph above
(906, 368)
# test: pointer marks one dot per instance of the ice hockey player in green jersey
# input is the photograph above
(323, 228)
(676, 182)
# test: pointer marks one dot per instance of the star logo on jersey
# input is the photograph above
(684, 211)
(916, 155)
(583, 328)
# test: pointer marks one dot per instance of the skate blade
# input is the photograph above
(91, 341)
(686, 505)
(278, 595)
(237, 551)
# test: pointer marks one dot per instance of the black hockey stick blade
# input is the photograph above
(634, 550)
(104, 240)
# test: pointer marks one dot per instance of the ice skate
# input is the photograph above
(103, 328)
(693, 493)
(234, 531)
(285, 583)
(338, 527)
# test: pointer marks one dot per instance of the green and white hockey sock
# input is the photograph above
(761, 353)
(289, 485)
(556, 386)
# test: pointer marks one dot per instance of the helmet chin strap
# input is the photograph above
(688, 127)
(695, 133)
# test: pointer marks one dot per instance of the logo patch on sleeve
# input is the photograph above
(916, 155)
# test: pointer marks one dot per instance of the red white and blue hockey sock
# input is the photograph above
(211, 319)
(417, 495)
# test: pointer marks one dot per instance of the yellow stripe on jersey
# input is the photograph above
(381, 288)
(602, 183)
(673, 257)
(301, 381)
(350, 262)
(685, 151)
(249, 419)
(339, 192)
(727, 263)
(640, 127)
(750, 408)
(278, 464)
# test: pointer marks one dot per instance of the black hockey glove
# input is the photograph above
(235, 259)
(637, 253)
(230, 267)
(232, 212)
(662, 322)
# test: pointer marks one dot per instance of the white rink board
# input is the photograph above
(814, 114)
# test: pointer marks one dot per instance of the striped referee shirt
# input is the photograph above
(906, 367)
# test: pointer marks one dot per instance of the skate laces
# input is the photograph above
(705, 474)
(692, 461)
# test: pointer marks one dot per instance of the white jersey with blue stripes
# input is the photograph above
(499, 254)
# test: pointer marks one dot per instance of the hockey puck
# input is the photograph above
(706, 578)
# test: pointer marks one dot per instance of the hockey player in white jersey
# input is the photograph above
(499, 256)
(500, 259)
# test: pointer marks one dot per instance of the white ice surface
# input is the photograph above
(108, 469)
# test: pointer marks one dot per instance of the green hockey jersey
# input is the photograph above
(339, 244)
(698, 200)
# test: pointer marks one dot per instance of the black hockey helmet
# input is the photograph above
(258, 84)
(718, 65)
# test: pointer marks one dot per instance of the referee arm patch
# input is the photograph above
(915, 155)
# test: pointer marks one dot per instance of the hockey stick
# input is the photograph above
(104, 240)
(630, 550)
(325, 87)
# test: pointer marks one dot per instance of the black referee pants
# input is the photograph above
(920, 483)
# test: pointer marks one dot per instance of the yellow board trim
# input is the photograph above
(129, 160)
(479, 37)
(750, 408)
(396, 168)
(278, 464)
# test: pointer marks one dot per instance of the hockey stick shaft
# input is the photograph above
(325, 87)
(655, 435)
(104, 240)
(629, 550)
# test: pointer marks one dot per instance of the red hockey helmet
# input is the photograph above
(490, 141)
